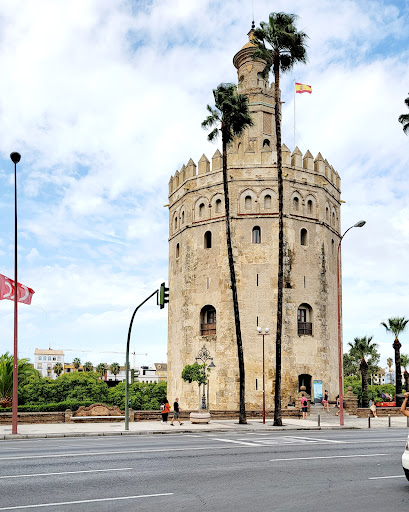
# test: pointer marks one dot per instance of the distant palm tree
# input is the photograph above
(58, 369)
(115, 369)
(404, 118)
(88, 366)
(76, 362)
(404, 359)
(397, 325)
(281, 46)
(231, 116)
(362, 349)
(389, 362)
(102, 369)
(24, 371)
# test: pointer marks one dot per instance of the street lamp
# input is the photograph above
(340, 372)
(15, 158)
(204, 356)
(266, 331)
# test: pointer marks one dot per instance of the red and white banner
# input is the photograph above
(24, 293)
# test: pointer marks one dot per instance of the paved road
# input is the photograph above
(233, 471)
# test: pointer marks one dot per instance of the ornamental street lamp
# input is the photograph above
(261, 333)
(340, 372)
(204, 356)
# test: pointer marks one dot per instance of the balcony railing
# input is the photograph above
(304, 328)
(207, 329)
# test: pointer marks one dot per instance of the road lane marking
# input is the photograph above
(333, 457)
(381, 477)
(314, 440)
(236, 442)
(87, 501)
(67, 472)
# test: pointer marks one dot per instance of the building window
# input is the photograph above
(177, 250)
(208, 321)
(208, 240)
(38, 366)
(332, 247)
(49, 358)
(309, 206)
(218, 205)
(304, 320)
(201, 209)
(333, 219)
(176, 222)
(304, 237)
(247, 203)
(266, 142)
(54, 358)
(48, 367)
(183, 217)
(256, 235)
(267, 201)
(40, 358)
(296, 204)
(327, 213)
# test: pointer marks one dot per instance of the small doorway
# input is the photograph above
(305, 380)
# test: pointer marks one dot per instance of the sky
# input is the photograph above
(104, 101)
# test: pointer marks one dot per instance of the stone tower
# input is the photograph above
(201, 308)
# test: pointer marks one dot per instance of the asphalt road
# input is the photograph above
(229, 472)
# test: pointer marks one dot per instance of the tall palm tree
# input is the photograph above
(24, 371)
(404, 359)
(58, 369)
(230, 117)
(281, 46)
(404, 118)
(76, 362)
(115, 369)
(396, 325)
(362, 349)
(102, 369)
(389, 362)
(88, 366)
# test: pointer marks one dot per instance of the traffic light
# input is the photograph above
(163, 295)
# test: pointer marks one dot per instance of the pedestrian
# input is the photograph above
(338, 406)
(164, 409)
(304, 407)
(372, 406)
(176, 412)
(403, 407)
(325, 401)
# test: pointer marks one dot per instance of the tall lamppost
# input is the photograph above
(15, 158)
(340, 362)
(261, 333)
(204, 356)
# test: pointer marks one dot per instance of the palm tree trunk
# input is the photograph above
(406, 376)
(242, 406)
(277, 389)
(363, 368)
(398, 375)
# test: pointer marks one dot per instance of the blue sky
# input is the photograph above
(104, 100)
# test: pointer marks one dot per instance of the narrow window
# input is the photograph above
(304, 281)
(177, 250)
(247, 203)
(257, 279)
(208, 240)
(296, 203)
(176, 222)
(309, 206)
(267, 201)
(304, 320)
(332, 247)
(333, 218)
(201, 209)
(304, 237)
(257, 322)
(218, 205)
(183, 217)
(266, 142)
(327, 213)
(256, 235)
(256, 384)
(207, 283)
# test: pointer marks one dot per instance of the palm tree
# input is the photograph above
(404, 118)
(115, 369)
(389, 362)
(24, 371)
(404, 359)
(230, 116)
(360, 350)
(397, 325)
(88, 366)
(58, 369)
(76, 362)
(281, 46)
(102, 369)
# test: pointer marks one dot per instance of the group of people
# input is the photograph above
(165, 410)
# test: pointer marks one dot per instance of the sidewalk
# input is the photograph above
(26, 431)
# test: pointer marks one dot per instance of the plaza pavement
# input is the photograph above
(327, 422)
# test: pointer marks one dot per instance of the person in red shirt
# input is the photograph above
(165, 408)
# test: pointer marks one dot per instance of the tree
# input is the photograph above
(389, 362)
(115, 369)
(351, 367)
(58, 369)
(88, 366)
(404, 359)
(362, 349)
(24, 371)
(230, 117)
(404, 118)
(281, 46)
(102, 369)
(76, 362)
(396, 325)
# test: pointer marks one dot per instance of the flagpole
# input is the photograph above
(15, 157)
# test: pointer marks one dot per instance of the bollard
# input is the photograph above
(319, 419)
(389, 420)
(369, 421)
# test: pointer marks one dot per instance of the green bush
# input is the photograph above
(374, 392)
(143, 397)
(52, 406)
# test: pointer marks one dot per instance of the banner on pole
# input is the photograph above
(300, 88)
(7, 290)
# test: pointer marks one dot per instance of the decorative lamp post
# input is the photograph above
(204, 356)
(340, 372)
(261, 333)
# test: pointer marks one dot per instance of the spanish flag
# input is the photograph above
(300, 88)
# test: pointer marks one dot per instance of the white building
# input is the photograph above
(46, 359)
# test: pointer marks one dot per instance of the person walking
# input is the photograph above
(338, 406)
(403, 406)
(304, 407)
(176, 412)
(325, 402)
(164, 409)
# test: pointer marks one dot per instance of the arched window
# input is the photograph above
(208, 321)
(183, 217)
(333, 219)
(177, 250)
(304, 320)
(256, 235)
(267, 201)
(332, 247)
(201, 209)
(309, 206)
(208, 240)
(327, 213)
(218, 205)
(266, 142)
(176, 222)
(296, 203)
(304, 237)
(247, 203)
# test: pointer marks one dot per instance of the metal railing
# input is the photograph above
(207, 329)
(304, 328)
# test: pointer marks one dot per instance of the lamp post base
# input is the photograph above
(200, 417)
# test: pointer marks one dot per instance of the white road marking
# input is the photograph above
(381, 477)
(236, 442)
(313, 439)
(67, 473)
(333, 457)
(87, 501)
